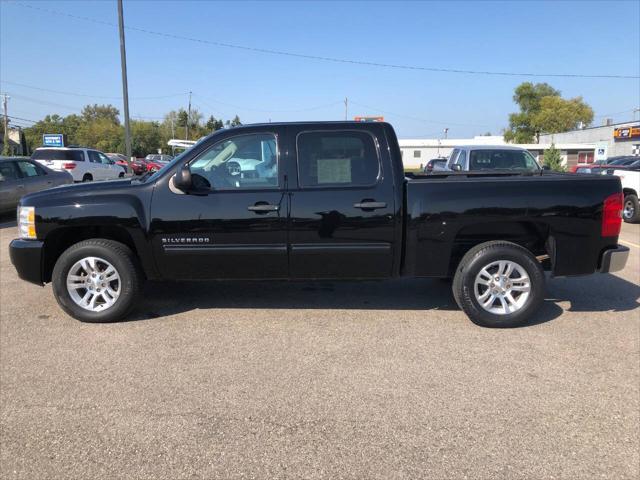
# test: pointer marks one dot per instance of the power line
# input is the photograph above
(306, 109)
(89, 96)
(22, 119)
(409, 117)
(329, 59)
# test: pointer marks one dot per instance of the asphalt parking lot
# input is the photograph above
(316, 380)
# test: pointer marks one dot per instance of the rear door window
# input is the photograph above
(28, 169)
(8, 171)
(326, 159)
(94, 156)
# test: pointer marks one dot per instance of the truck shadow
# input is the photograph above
(168, 298)
(595, 293)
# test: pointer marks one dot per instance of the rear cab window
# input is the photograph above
(337, 159)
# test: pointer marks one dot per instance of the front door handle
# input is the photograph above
(263, 208)
(370, 205)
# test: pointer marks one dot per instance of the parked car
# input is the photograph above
(122, 161)
(601, 165)
(20, 176)
(435, 164)
(84, 164)
(155, 162)
(630, 179)
(334, 203)
(476, 158)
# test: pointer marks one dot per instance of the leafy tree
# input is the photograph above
(94, 112)
(146, 138)
(559, 115)
(553, 160)
(102, 134)
(542, 109)
(214, 124)
(236, 121)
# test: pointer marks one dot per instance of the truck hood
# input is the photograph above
(78, 190)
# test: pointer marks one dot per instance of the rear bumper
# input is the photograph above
(26, 256)
(614, 259)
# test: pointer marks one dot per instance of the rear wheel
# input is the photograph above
(87, 177)
(97, 280)
(499, 284)
(631, 209)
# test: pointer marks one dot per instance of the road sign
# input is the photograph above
(601, 151)
(53, 140)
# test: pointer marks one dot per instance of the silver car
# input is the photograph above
(489, 157)
(20, 176)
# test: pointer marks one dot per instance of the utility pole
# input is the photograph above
(125, 88)
(446, 133)
(186, 131)
(5, 139)
(346, 109)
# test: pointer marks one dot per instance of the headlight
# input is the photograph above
(27, 222)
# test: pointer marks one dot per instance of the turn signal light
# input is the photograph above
(27, 222)
(612, 215)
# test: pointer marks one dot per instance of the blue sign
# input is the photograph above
(53, 140)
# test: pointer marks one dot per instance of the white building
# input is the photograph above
(619, 138)
(417, 152)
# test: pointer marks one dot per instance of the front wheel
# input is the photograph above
(499, 284)
(631, 209)
(96, 280)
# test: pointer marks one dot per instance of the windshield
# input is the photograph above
(502, 160)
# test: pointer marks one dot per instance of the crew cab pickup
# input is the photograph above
(318, 200)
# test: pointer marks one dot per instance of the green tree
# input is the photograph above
(214, 124)
(553, 160)
(543, 110)
(103, 134)
(559, 115)
(95, 112)
(146, 138)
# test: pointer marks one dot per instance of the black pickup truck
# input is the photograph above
(318, 200)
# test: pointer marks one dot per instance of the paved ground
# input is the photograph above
(371, 380)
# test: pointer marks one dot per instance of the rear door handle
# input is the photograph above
(370, 205)
(263, 208)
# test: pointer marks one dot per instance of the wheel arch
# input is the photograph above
(62, 238)
(535, 237)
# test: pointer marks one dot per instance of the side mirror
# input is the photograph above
(546, 167)
(183, 180)
(456, 167)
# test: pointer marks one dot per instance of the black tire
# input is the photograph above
(124, 261)
(631, 212)
(479, 257)
(87, 177)
(121, 175)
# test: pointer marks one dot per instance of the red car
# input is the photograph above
(135, 166)
(155, 162)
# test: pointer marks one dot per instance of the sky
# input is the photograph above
(55, 51)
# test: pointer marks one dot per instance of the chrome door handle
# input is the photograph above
(263, 208)
(367, 205)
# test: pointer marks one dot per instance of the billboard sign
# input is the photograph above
(624, 133)
(53, 140)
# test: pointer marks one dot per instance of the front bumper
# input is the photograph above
(614, 259)
(26, 256)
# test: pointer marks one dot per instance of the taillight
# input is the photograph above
(69, 165)
(612, 215)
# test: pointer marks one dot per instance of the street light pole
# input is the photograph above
(125, 89)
